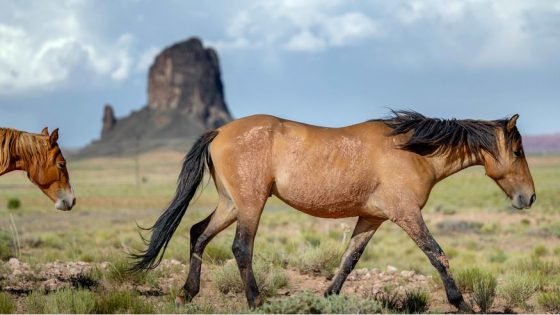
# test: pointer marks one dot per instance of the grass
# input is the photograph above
(83, 301)
(269, 278)
(309, 303)
(479, 229)
(7, 304)
(412, 301)
(480, 284)
(550, 301)
(518, 289)
(318, 260)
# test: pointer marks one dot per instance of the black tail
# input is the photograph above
(190, 177)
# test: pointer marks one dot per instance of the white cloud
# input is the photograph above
(306, 41)
(299, 26)
(43, 45)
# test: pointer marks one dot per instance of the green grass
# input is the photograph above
(7, 304)
(479, 229)
(63, 301)
(517, 289)
(269, 278)
(550, 301)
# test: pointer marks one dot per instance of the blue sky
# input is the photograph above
(329, 62)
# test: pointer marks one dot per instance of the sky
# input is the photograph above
(326, 62)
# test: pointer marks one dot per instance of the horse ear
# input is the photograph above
(512, 121)
(53, 137)
(45, 131)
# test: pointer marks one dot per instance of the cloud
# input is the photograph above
(297, 26)
(44, 45)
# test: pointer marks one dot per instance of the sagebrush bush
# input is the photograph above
(269, 278)
(550, 301)
(309, 303)
(516, 290)
(7, 303)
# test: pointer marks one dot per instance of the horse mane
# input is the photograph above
(462, 138)
(32, 148)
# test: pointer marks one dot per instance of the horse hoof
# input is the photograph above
(180, 301)
(465, 308)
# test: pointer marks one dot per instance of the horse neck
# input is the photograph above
(448, 164)
(11, 157)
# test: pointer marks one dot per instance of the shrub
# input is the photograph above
(63, 301)
(13, 203)
(308, 303)
(481, 284)
(517, 289)
(6, 246)
(7, 303)
(412, 301)
(550, 301)
(415, 301)
(484, 291)
(269, 279)
(318, 260)
(122, 302)
(540, 251)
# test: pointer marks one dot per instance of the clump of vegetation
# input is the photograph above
(540, 251)
(122, 302)
(482, 286)
(269, 279)
(13, 204)
(318, 260)
(119, 271)
(217, 253)
(6, 246)
(517, 289)
(550, 301)
(308, 303)
(7, 304)
(62, 301)
(413, 301)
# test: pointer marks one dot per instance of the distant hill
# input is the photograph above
(542, 143)
(185, 98)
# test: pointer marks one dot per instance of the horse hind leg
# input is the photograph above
(363, 231)
(201, 234)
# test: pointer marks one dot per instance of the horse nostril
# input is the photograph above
(533, 198)
(73, 202)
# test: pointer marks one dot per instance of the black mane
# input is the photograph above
(434, 136)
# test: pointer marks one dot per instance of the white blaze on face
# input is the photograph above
(65, 200)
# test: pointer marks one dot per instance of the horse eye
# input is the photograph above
(518, 153)
(61, 165)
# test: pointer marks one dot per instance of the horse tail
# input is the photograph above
(190, 178)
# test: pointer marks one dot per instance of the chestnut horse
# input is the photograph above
(40, 157)
(378, 170)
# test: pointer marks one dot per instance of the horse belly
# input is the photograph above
(323, 196)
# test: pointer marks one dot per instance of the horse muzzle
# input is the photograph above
(521, 201)
(65, 201)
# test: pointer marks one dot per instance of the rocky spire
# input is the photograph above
(109, 120)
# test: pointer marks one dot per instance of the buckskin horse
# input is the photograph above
(40, 157)
(378, 170)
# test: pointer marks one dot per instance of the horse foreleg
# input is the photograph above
(413, 224)
(201, 234)
(363, 231)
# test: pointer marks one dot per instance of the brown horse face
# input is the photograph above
(510, 170)
(52, 177)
